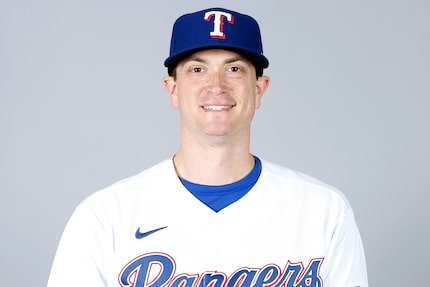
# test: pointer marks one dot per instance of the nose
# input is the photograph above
(217, 81)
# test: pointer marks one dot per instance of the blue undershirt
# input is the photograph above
(218, 197)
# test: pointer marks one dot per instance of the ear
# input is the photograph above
(260, 87)
(170, 85)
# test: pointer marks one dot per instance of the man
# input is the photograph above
(214, 214)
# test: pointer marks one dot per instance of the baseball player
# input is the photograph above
(213, 215)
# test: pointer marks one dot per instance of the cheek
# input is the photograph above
(188, 95)
(183, 95)
(254, 98)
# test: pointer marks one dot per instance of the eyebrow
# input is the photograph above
(235, 59)
(227, 61)
(194, 58)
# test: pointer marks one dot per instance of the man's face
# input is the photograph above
(216, 92)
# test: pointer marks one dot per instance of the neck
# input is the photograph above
(213, 165)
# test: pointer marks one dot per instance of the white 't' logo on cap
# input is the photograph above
(218, 22)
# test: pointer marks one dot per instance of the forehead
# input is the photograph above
(221, 55)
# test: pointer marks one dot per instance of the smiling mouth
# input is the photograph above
(217, 108)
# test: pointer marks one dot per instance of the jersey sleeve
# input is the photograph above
(345, 264)
(82, 252)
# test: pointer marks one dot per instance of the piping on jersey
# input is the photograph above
(158, 270)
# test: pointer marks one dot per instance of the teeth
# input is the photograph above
(216, 108)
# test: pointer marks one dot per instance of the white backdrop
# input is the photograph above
(82, 105)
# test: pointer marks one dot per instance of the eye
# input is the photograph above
(196, 69)
(234, 69)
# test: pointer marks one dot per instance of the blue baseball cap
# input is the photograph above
(216, 28)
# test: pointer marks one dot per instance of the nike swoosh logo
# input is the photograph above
(140, 235)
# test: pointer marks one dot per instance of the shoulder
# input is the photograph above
(287, 174)
(302, 185)
(134, 187)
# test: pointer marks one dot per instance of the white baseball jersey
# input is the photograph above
(150, 231)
